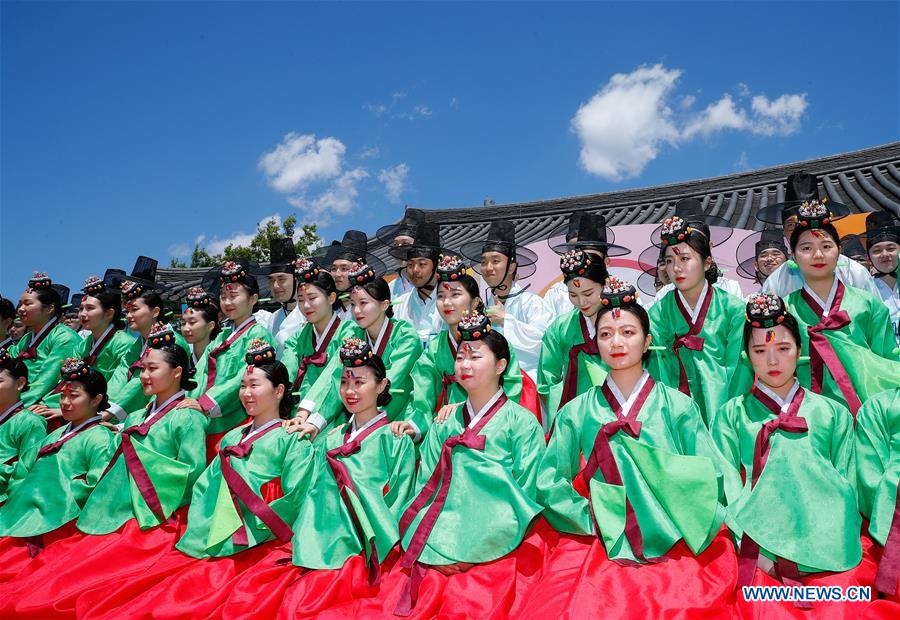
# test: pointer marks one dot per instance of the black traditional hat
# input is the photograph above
(144, 272)
(74, 368)
(404, 228)
(755, 244)
(765, 310)
(63, 291)
(648, 262)
(354, 247)
(880, 227)
(355, 352)
(239, 271)
(716, 229)
(591, 232)
(501, 238)
(427, 244)
(450, 268)
(74, 304)
(580, 264)
(799, 188)
(852, 246)
(282, 253)
(113, 278)
(259, 353)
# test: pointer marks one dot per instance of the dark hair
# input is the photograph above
(471, 287)
(47, 297)
(154, 300)
(7, 309)
(277, 374)
(176, 357)
(700, 244)
(324, 281)
(111, 300)
(380, 291)
(16, 368)
(827, 228)
(789, 323)
(94, 384)
(498, 345)
(642, 317)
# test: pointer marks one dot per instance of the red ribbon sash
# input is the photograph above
(345, 483)
(50, 448)
(320, 355)
(385, 338)
(789, 422)
(588, 347)
(133, 463)
(90, 359)
(439, 481)
(211, 361)
(31, 351)
(690, 340)
(822, 353)
(889, 566)
(602, 458)
(242, 491)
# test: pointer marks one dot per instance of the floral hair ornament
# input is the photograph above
(580, 264)
(132, 290)
(814, 214)
(361, 274)
(765, 310)
(355, 352)
(473, 326)
(259, 352)
(93, 285)
(74, 368)
(161, 335)
(306, 270)
(675, 230)
(197, 298)
(450, 268)
(618, 294)
(39, 280)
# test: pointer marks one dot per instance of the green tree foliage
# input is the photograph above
(258, 249)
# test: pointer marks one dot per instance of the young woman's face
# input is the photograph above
(10, 388)
(157, 376)
(884, 256)
(816, 254)
(773, 354)
(314, 303)
(140, 316)
(584, 295)
(453, 300)
(621, 340)
(257, 393)
(360, 389)
(494, 268)
(476, 365)
(366, 309)
(769, 260)
(92, 315)
(32, 312)
(75, 403)
(195, 328)
(340, 271)
(685, 267)
(236, 301)
(282, 285)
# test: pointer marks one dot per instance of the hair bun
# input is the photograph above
(40, 280)
(473, 326)
(765, 310)
(161, 335)
(74, 368)
(259, 352)
(450, 268)
(361, 274)
(93, 285)
(617, 293)
(355, 352)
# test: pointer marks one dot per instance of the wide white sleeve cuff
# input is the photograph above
(317, 420)
(117, 411)
(418, 436)
(308, 404)
(210, 406)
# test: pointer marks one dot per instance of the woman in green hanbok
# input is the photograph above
(632, 480)
(20, 428)
(52, 476)
(791, 492)
(199, 323)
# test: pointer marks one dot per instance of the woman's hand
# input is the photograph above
(402, 427)
(445, 412)
(191, 403)
(307, 430)
(302, 415)
(45, 411)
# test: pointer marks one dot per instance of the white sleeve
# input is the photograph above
(854, 274)
(524, 327)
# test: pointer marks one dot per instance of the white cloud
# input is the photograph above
(394, 181)
(311, 174)
(369, 152)
(626, 124)
(780, 117)
(180, 250)
(454, 102)
(217, 246)
(301, 159)
(742, 164)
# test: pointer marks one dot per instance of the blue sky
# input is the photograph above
(137, 128)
